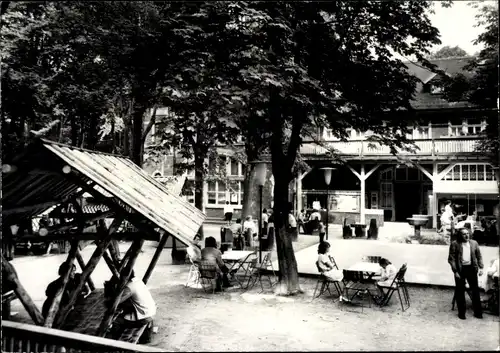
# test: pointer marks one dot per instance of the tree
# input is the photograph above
(448, 52)
(480, 86)
(310, 64)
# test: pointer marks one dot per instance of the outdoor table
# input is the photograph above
(236, 260)
(359, 229)
(369, 269)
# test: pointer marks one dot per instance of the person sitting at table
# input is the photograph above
(54, 286)
(194, 249)
(137, 310)
(325, 263)
(387, 275)
(213, 255)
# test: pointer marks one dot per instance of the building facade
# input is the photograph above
(373, 183)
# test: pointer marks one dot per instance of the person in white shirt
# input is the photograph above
(292, 226)
(249, 227)
(491, 273)
(138, 309)
(228, 212)
(387, 276)
(325, 263)
(265, 221)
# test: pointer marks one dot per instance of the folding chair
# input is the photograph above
(243, 271)
(325, 283)
(208, 275)
(258, 271)
(194, 273)
(397, 285)
(354, 280)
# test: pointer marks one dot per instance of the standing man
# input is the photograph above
(467, 264)
(228, 213)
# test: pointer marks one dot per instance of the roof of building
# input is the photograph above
(41, 179)
(451, 67)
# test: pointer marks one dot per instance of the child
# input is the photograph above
(389, 271)
(322, 231)
(325, 264)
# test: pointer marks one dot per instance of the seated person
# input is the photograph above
(194, 249)
(325, 264)
(491, 274)
(213, 255)
(388, 274)
(137, 309)
(54, 287)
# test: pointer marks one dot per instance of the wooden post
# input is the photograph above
(156, 256)
(56, 300)
(29, 305)
(125, 259)
(125, 276)
(91, 265)
(111, 264)
(81, 263)
(114, 250)
(363, 192)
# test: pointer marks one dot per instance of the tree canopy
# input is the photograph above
(448, 52)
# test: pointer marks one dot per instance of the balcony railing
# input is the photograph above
(19, 338)
(443, 146)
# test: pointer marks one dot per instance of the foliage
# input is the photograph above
(480, 87)
(448, 52)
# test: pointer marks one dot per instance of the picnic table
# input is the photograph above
(87, 314)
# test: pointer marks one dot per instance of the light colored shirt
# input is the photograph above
(291, 221)
(322, 228)
(228, 209)
(315, 216)
(388, 273)
(448, 209)
(265, 217)
(466, 253)
(249, 225)
(142, 301)
(194, 253)
(446, 218)
(324, 262)
(236, 229)
(493, 269)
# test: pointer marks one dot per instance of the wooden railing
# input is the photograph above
(359, 148)
(18, 337)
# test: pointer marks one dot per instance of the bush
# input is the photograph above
(434, 239)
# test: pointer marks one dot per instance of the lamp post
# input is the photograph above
(260, 179)
(328, 178)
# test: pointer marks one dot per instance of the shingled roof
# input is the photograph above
(451, 67)
(49, 173)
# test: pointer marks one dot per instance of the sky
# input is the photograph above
(456, 25)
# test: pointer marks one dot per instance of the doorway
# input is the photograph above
(407, 200)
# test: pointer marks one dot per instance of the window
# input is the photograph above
(234, 167)
(386, 195)
(386, 174)
(221, 193)
(470, 172)
(212, 192)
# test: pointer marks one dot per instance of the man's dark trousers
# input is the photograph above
(468, 274)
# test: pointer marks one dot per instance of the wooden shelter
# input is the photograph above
(49, 174)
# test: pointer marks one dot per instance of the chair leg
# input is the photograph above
(401, 300)
(316, 289)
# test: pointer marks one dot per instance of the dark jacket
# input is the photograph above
(455, 256)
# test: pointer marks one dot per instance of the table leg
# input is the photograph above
(417, 231)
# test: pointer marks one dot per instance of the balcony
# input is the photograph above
(432, 149)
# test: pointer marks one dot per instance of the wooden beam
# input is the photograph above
(423, 170)
(114, 250)
(156, 256)
(11, 275)
(81, 237)
(81, 263)
(28, 208)
(445, 171)
(125, 258)
(354, 172)
(56, 300)
(370, 172)
(63, 227)
(91, 265)
(125, 276)
(110, 264)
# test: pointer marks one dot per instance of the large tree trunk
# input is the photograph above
(289, 274)
(199, 178)
(247, 188)
(137, 128)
